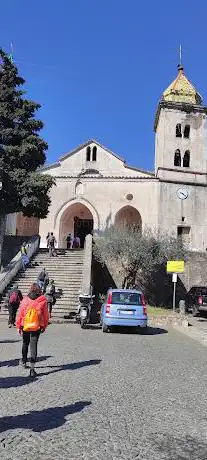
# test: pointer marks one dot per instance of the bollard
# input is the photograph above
(182, 307)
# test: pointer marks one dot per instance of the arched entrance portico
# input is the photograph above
(77, 219)
(128, 216)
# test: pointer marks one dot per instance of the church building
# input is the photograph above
(95, 188)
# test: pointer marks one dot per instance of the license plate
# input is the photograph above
(126, 312)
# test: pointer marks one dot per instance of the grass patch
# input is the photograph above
(158, 311)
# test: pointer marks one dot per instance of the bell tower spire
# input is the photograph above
(180, 127)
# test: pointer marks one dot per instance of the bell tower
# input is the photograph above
(180, 130)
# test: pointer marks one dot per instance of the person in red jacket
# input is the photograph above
(33, 304)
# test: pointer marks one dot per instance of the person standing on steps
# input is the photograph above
(69, 240)
(43, 279)
(50, 296)
(76, 242)
(51, 245)
(15, 297)
(32, 320)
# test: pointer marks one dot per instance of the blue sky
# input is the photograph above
(98, 67)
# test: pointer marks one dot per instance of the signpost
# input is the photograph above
(175, 267)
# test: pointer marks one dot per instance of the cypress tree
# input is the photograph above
(22, 150)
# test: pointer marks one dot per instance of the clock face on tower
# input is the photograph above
(182, 193)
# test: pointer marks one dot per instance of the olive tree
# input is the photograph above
(136, 255)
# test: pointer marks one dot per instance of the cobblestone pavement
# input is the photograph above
(102, 396)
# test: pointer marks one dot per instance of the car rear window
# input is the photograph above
(126, 298)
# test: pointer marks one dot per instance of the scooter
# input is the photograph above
(84, 310)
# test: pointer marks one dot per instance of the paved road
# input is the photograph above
(199, 322)
(112, 397)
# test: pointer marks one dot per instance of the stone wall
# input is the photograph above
(160, 290)
(27, 226)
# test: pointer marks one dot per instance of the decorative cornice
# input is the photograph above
(182, 106)
(103, 178)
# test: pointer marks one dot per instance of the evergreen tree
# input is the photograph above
(22, 150)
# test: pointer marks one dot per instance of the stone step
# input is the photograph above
(67, 271)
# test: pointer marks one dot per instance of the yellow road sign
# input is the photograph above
(175, 266)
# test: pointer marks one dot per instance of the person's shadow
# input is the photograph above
(18, 381)
(43, 420)
(67, 367)
(9, 341)
(15, 362)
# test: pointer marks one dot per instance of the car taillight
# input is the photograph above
(145, 310)
(109, 300)
(108, 309)
(200, 300)
(143, 300)
(144, 305)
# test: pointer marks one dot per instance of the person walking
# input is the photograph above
(50, 296)
(43, 279)
(15, 297)
(32, 320)
(51, 245)
(69, 240)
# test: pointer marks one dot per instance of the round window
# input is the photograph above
(129, 197)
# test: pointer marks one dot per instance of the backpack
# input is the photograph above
(31, 320)
(49, 289)
(13, 298)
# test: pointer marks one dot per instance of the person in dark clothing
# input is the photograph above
(15, 297)
(50, 296)
(69, 241)
(34, 302)
(43, 279)
(51, 245)
(47, 238)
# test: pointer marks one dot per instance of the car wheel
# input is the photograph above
(105, 328)
(195, 310)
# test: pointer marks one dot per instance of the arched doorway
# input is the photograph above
(128, 216)
(77, 220)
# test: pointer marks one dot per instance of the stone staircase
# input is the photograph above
(67, 271)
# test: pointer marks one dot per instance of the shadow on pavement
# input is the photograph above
(9, 341)
(43, 420)
(15, 362)
(18, 381)
(13, 382)
(141, 331)
(69, 367)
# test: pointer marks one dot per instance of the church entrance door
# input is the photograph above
(82, 227)
(77, 220)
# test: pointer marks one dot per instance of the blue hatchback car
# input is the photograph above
(123, 307)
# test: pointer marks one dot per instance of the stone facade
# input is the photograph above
(96, 189)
